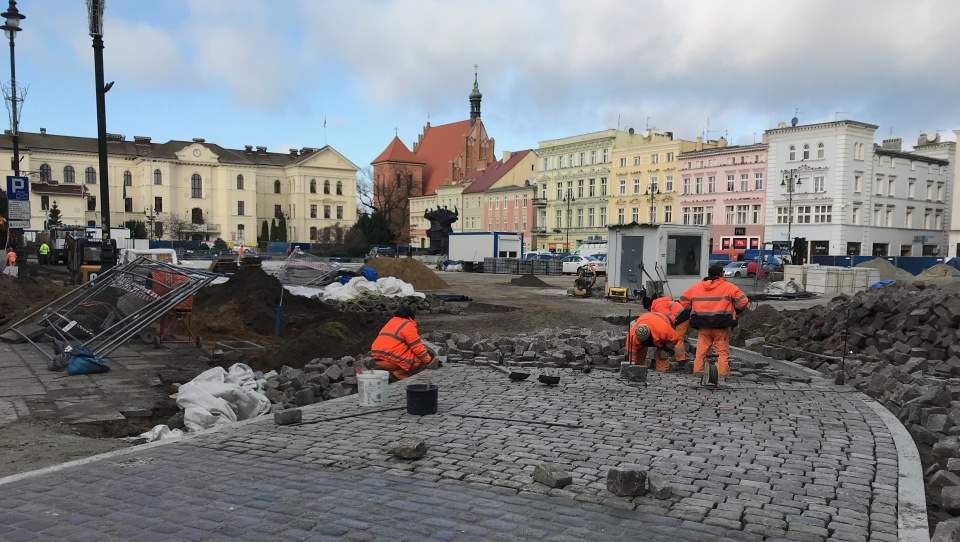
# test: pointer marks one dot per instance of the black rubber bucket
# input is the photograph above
(422, 399)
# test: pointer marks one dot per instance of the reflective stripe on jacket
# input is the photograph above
(714, 303)
(661, 334)
(665, 305)
(399, 343)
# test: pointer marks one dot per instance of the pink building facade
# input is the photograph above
(725, 189)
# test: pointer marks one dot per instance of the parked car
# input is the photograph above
(538, 255)
(721, 263)
(570, 264)
(752, 266)
(769, 268)
(378, 252)
(735, 270)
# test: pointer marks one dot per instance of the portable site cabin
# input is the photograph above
(677, 254)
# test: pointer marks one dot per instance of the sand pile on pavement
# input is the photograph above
(529, 281)
(888, 271)
(941, 270)
(245, 308)
(408, 270)
(22, 296)
(753, 322)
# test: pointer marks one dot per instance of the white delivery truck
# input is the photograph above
(474, 247)
(592, 246)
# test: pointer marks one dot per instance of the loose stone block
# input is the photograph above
(551, 475)
(409, 448)
(287, 417)
(660, 487)
(629, 481)
(950, 498)
(633, 373)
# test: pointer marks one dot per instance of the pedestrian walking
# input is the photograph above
(398, 347)
(680, 318)
(651, 329)
(714, 305)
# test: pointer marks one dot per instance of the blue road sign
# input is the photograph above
(18, 188)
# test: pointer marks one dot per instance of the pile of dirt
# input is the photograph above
(941, 270)
(529, 281)
(20, 296)
(408, 270)
(245, 308)
(888, 271)
(752, 323)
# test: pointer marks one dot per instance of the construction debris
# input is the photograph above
(319, 380)
(627, 481)
(552, 475)
(409, 448)
(287, 417)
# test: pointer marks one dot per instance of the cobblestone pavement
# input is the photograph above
(752, 462)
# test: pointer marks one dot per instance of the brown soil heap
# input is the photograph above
(408, 270)
(24, 295)
(530, 281)
(245, 308)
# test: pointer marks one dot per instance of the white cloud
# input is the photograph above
(146, 56)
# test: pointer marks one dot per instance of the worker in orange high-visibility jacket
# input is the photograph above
(651, 329)
(714, 305)
(679, 317)
(398, 347)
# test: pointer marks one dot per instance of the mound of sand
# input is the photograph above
(22, 296)
(245, 308)
(888, 271)
(941, 270)
(408, 270)
(529, 281)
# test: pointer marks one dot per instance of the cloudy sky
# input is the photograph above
(268, 72)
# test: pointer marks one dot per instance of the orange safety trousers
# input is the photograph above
(720, 340)
(399, 372)
(680, 354)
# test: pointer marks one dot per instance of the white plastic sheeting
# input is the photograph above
(219, 397)
(783, 287)
(359, 286)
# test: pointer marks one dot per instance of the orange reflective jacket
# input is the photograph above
(668, 306)
(714, 303)
(661, 334)
(399, 343)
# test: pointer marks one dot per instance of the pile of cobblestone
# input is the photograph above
(903, 349)
(387, 306)
(319, 380)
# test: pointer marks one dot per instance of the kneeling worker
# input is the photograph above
(679, 317)
(398, 348)
(651, 329)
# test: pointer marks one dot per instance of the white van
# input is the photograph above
(591, 248)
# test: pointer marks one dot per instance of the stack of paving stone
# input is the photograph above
(319, 380)
(904, 351)
(388, 305)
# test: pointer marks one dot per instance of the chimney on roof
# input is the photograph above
(307, 150)
(248, 148)
(895, 144)
(293, 152)
(43, 131)
(262, 150)
(199, 140)
(669, 135)
(116, 137)
(507, 155)
(141, 140)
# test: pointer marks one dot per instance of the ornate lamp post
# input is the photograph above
(652, 192)
(791, 179)
(10, 29)
(568, 199)
(95, 14)
(151, 218)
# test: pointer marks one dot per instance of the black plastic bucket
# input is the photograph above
(422, 399)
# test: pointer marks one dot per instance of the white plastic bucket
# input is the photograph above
(372, 387)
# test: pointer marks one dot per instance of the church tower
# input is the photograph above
(475, 98)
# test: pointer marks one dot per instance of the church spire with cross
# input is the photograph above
(475, 98)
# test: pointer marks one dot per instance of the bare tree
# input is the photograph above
(391, 199)
(365, 190)
(178, 228)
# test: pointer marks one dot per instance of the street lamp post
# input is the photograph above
(10, 28)
(95, 14)
(151, 218)
(652, 191)
(791, 179)
(568, 199)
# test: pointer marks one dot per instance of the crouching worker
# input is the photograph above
(651, 329)
(398, 347)
(680, 318)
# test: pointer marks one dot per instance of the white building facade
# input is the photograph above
(831, 186)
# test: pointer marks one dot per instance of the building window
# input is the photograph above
(698, 185)
(570, 161)
(669, 157)
(603, 187)
(559, 218)
(856, 216)
(756, 214)
(758, 181)
(929, 190)
(888, 217)
(276, 187)
(939, 191)
(91, 203)
(157, 177)
(857, 184)
(636, 186)
(938, 220)
(339, 212)
(602, 222)
(157, 204)
(560, 162)
(802, 214)
(668, 213)
(196, 186)
(623, 162)
(793, 152)
(128, 205)
(635, 214)
(196, 215)
(806, 151)
(654, 158)
(636, 160)
(590, 217)
(686, 185)
(744, 182)
(240, 208)
(44, 203)
(326, 187)
(46, 174)
(581, 158)
(911, 188)
(623, 187)
(818, 185)
(891, 186)
(313, 186)
(926, 219)
(591, 191)
(730, 183)
(742, 213)
(326, 211)
(729, 210)
(711, 184)
(654, 187)
(782, 215)
(605, 156)
(620, 213)
(593, 157)
(241, 231)
(90, 175)
(579, 218)
(908, 218)
(580, 188)
(339, 188)
(239, 182)
(127, 179)
(69, 175)
(277, 211)
(822, 214)
(697, 215)
(820, 149)
(668, 183)
(546, 164)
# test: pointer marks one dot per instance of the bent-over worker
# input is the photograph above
(680, 318)
(651, 329)
(714, 305)
(398, 347)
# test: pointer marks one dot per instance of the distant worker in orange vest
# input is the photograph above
(680, 318)
(651, 329)
(714, 305)
(11, 258)
(240, 251)
(398, 347)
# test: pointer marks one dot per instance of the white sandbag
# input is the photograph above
(161, 432)
(218, 397)
(359, 286)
